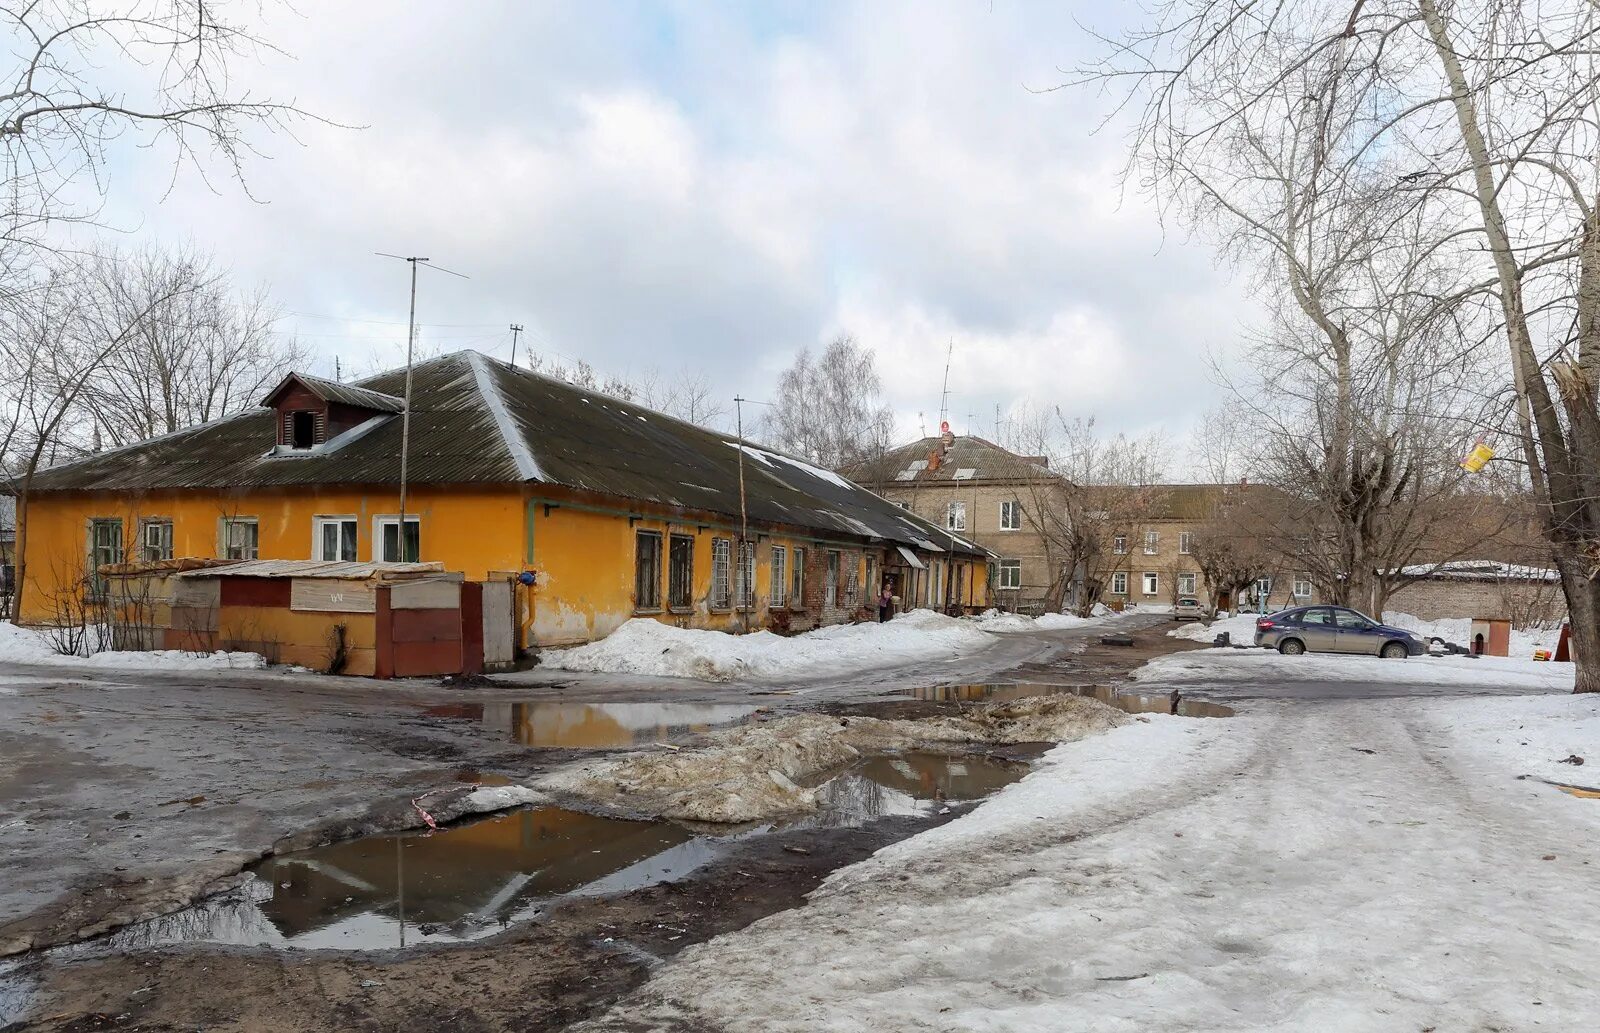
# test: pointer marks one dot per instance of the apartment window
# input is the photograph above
(1010, 573)
(830, 592)
(1152, 542)
(1183, 543)
(391, 550)
(105, 547)
(1186, 584)
(680, 572)
(1264, 588)
(1119, 583)
(797, 584)
(955, 516)
(335, 538)
(780, 576)
(241, 538)
(1010, 516)
(1302, 587)
(647, 570)
(721, 573)
(746, 579)
(155, 540)
(1119, 544)
(1152, 583)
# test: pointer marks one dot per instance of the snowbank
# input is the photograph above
(27, 646)
(1213, 666)
(1459, 630)
(769, 769)
(648, 647)
(1241, 627)
(1012, 623)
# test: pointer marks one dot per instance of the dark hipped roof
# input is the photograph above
(968, 458)
(477, 420)
(349, 394)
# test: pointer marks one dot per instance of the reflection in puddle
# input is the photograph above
(595, 725)
(472, 880)
(1130, 701)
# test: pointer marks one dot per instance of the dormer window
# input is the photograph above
(314, 412)
(303, 429)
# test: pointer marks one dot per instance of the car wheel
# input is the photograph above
(1291, 647)
(1393, 651)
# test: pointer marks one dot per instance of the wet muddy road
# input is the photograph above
(136, 794)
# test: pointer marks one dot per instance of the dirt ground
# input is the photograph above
(543, 975)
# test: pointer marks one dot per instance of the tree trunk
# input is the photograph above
(21, 566)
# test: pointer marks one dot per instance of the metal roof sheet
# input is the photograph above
(339, 569)
(349, 394)
(478, 420)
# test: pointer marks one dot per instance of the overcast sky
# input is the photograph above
(716, 186)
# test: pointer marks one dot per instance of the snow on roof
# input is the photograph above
(1480, 570)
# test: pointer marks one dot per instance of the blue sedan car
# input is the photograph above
(1334, 629)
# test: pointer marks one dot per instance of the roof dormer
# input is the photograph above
(312, 412)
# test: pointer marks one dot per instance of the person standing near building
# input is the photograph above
(885, 603)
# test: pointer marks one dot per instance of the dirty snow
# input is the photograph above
(649, 647)
(1227, 665)
(1457, 630)
(1012, 623)
(771, 768)
(1363, 866)
(498, 798)
(28, 646)
(1242, 628)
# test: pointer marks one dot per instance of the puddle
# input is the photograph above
(1123, 699)
(475, 879)
(595, 725)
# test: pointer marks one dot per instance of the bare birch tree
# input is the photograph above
(828, 409)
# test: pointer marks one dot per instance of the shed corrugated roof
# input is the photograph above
(478, 420)
(349, 394)
(343, 570)
(967, 459)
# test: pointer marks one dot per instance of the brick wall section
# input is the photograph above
(1521, 602)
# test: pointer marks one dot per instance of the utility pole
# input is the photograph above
(516, 328)
(405, 413)
(744, 518)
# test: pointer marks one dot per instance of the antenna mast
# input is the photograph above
(944, 397)
(516, 328)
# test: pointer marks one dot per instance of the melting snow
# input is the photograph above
(516, 441)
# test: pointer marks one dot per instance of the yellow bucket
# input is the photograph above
(1477, 458)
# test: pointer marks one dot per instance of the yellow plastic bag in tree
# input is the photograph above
(1477, 458)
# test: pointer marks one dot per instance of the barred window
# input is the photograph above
(721, 573)
(780, 576)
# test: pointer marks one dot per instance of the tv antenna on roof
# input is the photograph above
(405, 413)
(944, 398)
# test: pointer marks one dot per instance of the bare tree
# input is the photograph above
(86, 73)
(1087, 496)
(198, 353)
(828, 409)
(1479, 123)
(54, 339)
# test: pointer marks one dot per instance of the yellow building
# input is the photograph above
(611, 510)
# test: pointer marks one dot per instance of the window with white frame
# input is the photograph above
(1119, 544)
(1264, 588)
(1119, 583)
(1152, 583)
(241, 538)
(1186, 583)
(780, 576)
(155, 539)
(1302, 587)
(1152, 542)
(721, 573)
(1011, 516)
(955, 516)
(1010, 573)
(395, 548)
(1183, 543)
(334, 538)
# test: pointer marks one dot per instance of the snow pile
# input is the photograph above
(1242, 628)
(1221, 666)
(27, 646)
(649, 647)
(1459, 630)
(764, 770)
(1011, 623)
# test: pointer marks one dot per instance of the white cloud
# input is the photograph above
(714, 187)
